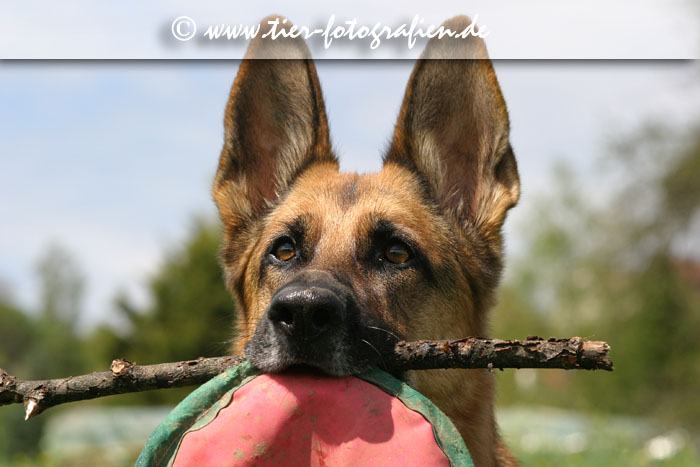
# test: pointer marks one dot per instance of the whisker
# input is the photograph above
(381, 357)
(384, 330)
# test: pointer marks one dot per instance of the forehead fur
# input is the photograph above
(347, 206)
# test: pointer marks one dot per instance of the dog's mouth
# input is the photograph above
(316, 322)
(339, 359)
(338, 355)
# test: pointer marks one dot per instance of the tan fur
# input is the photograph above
(447, 182)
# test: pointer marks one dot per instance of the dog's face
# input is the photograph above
(345, 265)
(329, 269)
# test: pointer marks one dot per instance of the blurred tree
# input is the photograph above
(191, 315)
(17, 330)
(56, 349)
(617, 272)
(61, 286)
(40, 345)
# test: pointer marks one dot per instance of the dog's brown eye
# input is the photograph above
(285, 250)
(397, 253)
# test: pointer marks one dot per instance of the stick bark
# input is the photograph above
(469, 353)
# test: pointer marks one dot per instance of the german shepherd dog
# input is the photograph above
(330, 269)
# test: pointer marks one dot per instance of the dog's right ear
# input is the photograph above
(275, 127)
(453, 131)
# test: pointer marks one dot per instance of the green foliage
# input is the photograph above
(16, 331)
(616, 273)
(40, 345)
(61, 286)
(620, 455)
(547, 436)
(191, 313)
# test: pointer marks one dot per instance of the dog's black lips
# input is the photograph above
(368, 347)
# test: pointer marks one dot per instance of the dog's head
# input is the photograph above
(329, 269)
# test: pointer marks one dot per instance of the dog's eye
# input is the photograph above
(284, 250)
(397, 253)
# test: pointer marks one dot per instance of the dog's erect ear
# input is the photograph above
(453, 130)
(275, 127)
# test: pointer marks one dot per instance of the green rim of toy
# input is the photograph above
(202, 406)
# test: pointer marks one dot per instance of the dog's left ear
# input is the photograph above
(453, 131)
(275, 127)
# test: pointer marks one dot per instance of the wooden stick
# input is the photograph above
(534, 352)
(125, 376)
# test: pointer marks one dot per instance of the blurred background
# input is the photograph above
(109, 237)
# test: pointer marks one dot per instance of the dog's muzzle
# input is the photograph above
(314, 320)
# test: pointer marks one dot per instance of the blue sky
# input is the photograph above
(113, 160)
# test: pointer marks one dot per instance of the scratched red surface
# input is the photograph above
(312, 420)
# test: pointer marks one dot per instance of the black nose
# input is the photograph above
(307, 312)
